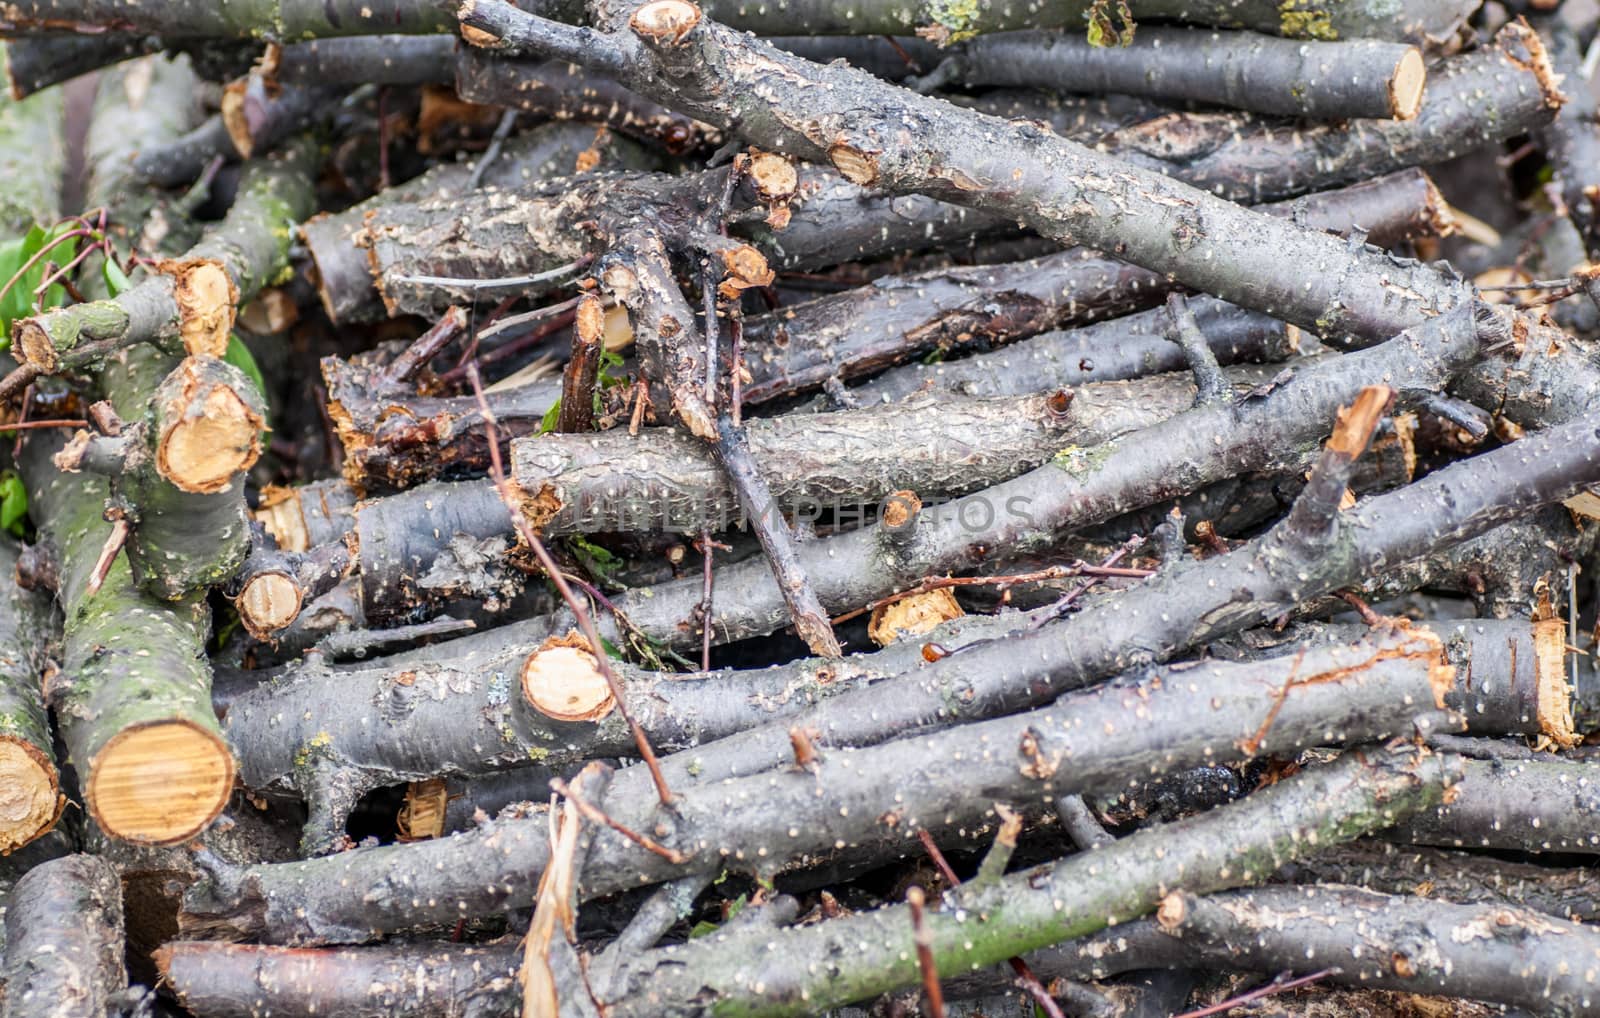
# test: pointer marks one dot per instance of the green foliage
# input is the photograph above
(600, 562)
(240, 357)
(551, 418)
(604, 379)
(116, 280)
(13, 503)
(41, 247)
(706, 926)
(1101, 31)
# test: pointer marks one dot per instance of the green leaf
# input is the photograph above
(240, 357)
(18, 300)
(552, 417)
(13, 503)
(116, 280)
(610, 649)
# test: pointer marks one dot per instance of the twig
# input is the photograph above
(706, 545)
(497, 282)
(930, 974)
(27, 425)
(1025, 976)
(502, 131)
(1278, 985)
(596, 815)
(1038, 575)
(427, 346)
(579, 612)
(1060, 607)
(19, 379)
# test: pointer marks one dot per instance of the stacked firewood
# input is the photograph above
(615, 509)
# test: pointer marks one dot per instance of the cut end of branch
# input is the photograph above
(746, 268)
(1553, 695)
(268, 603)
(856, 166)
(30, 795)
(1171, 912)
(161, 783)
(590, 320)
(1518, 32)
(206, 298)
(900, 509)
(31, 342)
(774, 177)
(913, 616)
(209, 432)
(564, 682)
(1406, 85)
(665, 23)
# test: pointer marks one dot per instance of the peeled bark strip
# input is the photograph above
(1501, 954)
(179, 471)
(862, 955)
(948, 780)
(1541, 805)
(30, 789)
(401, 981)
(64, 941)
(1063, 191)
(1491, 94)
(1463, 878)
(190, 302)
(32, 157)
(133, 697)
(1315, 80)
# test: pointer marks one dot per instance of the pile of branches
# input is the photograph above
(596, 508)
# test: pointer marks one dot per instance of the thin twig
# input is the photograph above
(1038, 575)
(18, 380)
(502, 131)
(595, 815)
(1060, 607)
(579, 611)
(705, 600)
(1025, 976)
(1278, 985)
(427, 346)
(29, 425)
(924, 940)
(495, 282)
